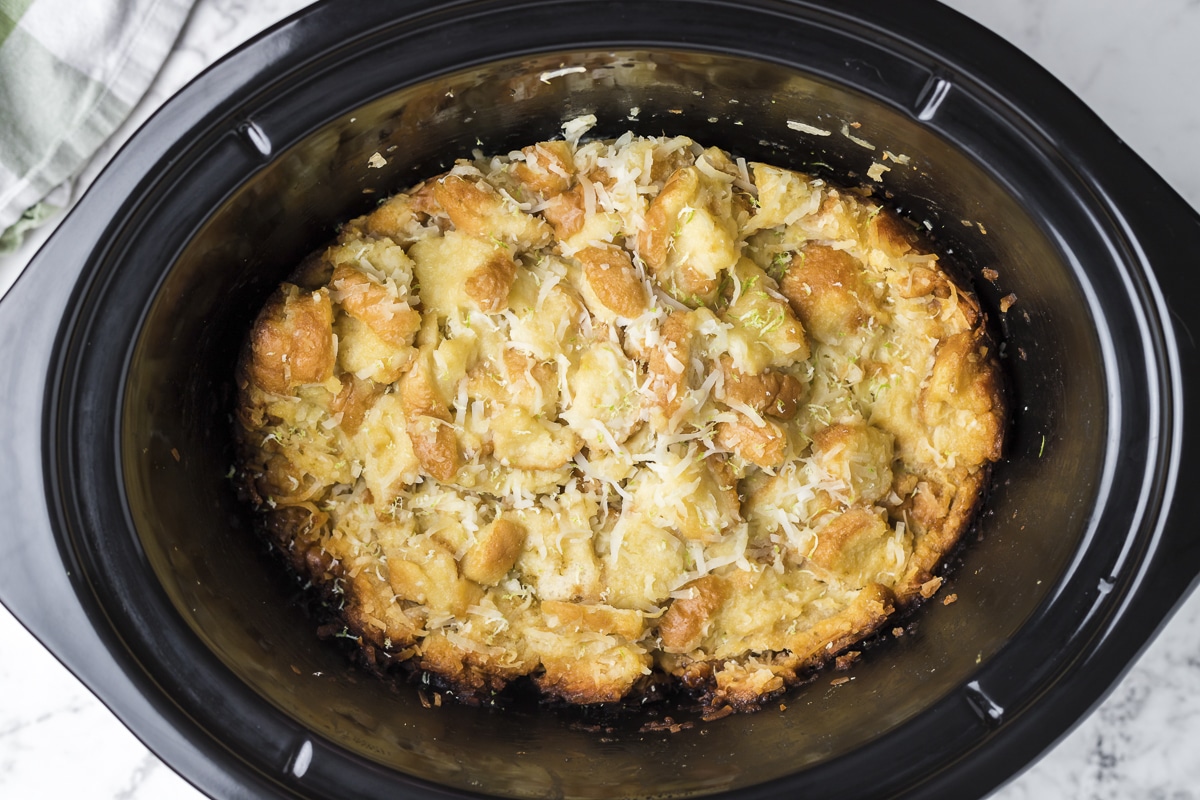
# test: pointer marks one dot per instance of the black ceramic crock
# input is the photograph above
(128, 556)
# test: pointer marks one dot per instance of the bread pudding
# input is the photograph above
(594, 413)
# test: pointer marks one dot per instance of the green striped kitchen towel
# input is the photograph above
(70, 72)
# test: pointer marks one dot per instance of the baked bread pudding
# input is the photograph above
(590, 413)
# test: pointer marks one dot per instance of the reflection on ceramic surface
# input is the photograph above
(1133, 63)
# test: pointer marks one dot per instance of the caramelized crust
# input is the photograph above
(827, 289)
(610, 275)
(763, 444)
(494, 552)
(548, 168)
(772, 392)
(689, 237)
(489, 283)
(476, 209)
(686, 621)
(962, 402)
(594, 411)
(292, 343)
(371, 304)
(355, 399)
(565, 211)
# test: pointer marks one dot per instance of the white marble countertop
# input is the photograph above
(1136, 64)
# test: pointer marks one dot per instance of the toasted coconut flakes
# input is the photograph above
(549, 75)
(876, 170)
(855, 139)
(929, 588)
(804, 127)
(574, 129)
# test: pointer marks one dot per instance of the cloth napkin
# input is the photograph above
(70, 72)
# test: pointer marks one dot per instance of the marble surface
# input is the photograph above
(1135, 63)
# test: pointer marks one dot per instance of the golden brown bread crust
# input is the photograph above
(611, 276)
(293, 341)
(590, 412)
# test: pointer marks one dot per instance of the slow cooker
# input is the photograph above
(129, 556)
